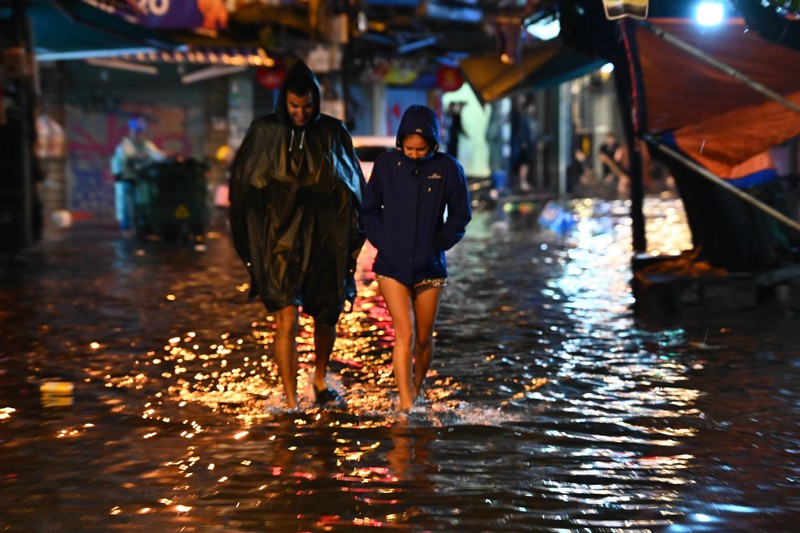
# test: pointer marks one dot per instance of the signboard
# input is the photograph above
(449, 78)
(400, 75)
(617, 9)
(209, 15)
(271, 77)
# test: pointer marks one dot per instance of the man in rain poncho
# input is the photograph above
(132, 154)
(296, 188)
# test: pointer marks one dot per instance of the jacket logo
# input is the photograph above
(434, 176)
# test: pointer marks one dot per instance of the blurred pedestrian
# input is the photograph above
(576, 171)
(610, 152)
(133, 153)
(455, 128)
(224, 158)
(296, 187)
(524, 139)
(496, 139)
(416, 207)
(612, 156)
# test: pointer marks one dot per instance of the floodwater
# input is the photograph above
(550, 406)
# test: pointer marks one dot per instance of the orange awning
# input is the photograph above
(542, 64)
(716, 119)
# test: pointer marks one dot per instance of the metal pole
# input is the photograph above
(777, 215)
(566, 133)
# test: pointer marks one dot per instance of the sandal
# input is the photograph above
(327, 397)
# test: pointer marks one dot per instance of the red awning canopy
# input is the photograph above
(716, 119)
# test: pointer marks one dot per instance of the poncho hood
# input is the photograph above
(298, 73)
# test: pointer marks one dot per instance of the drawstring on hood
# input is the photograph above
(302, 137)
(298, 71)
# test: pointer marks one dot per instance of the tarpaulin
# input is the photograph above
(717, 120)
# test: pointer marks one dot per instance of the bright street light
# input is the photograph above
(710, 13)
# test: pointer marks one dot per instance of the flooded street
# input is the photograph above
(549, 407)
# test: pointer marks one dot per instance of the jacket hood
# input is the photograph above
(421, 120)
(298, 73)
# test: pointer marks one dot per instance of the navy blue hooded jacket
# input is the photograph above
(295, 194)
(415, 209)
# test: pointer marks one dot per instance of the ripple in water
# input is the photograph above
(549, 406)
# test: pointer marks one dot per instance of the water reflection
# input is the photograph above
(550, 406)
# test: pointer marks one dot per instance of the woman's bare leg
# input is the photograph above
(426, 307)
(398, 301)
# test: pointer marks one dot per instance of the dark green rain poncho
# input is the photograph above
(295, 194)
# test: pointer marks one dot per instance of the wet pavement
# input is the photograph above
(138, 393)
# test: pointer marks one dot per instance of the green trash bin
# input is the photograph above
(171, 200)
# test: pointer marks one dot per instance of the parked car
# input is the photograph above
(369, 147)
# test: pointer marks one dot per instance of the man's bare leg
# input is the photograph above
(324, 339)
(286, 352)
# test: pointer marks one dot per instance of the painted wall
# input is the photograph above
(92, 137)
(98, 103)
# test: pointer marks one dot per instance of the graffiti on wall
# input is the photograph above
(92, 137)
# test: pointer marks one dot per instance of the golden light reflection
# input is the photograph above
(234, 375)
(236, 372)
(67, 433)
(354, 456)
(5, 412)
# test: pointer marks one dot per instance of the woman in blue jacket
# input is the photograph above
(415, 207)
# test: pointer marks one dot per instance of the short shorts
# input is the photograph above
(428, 282)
